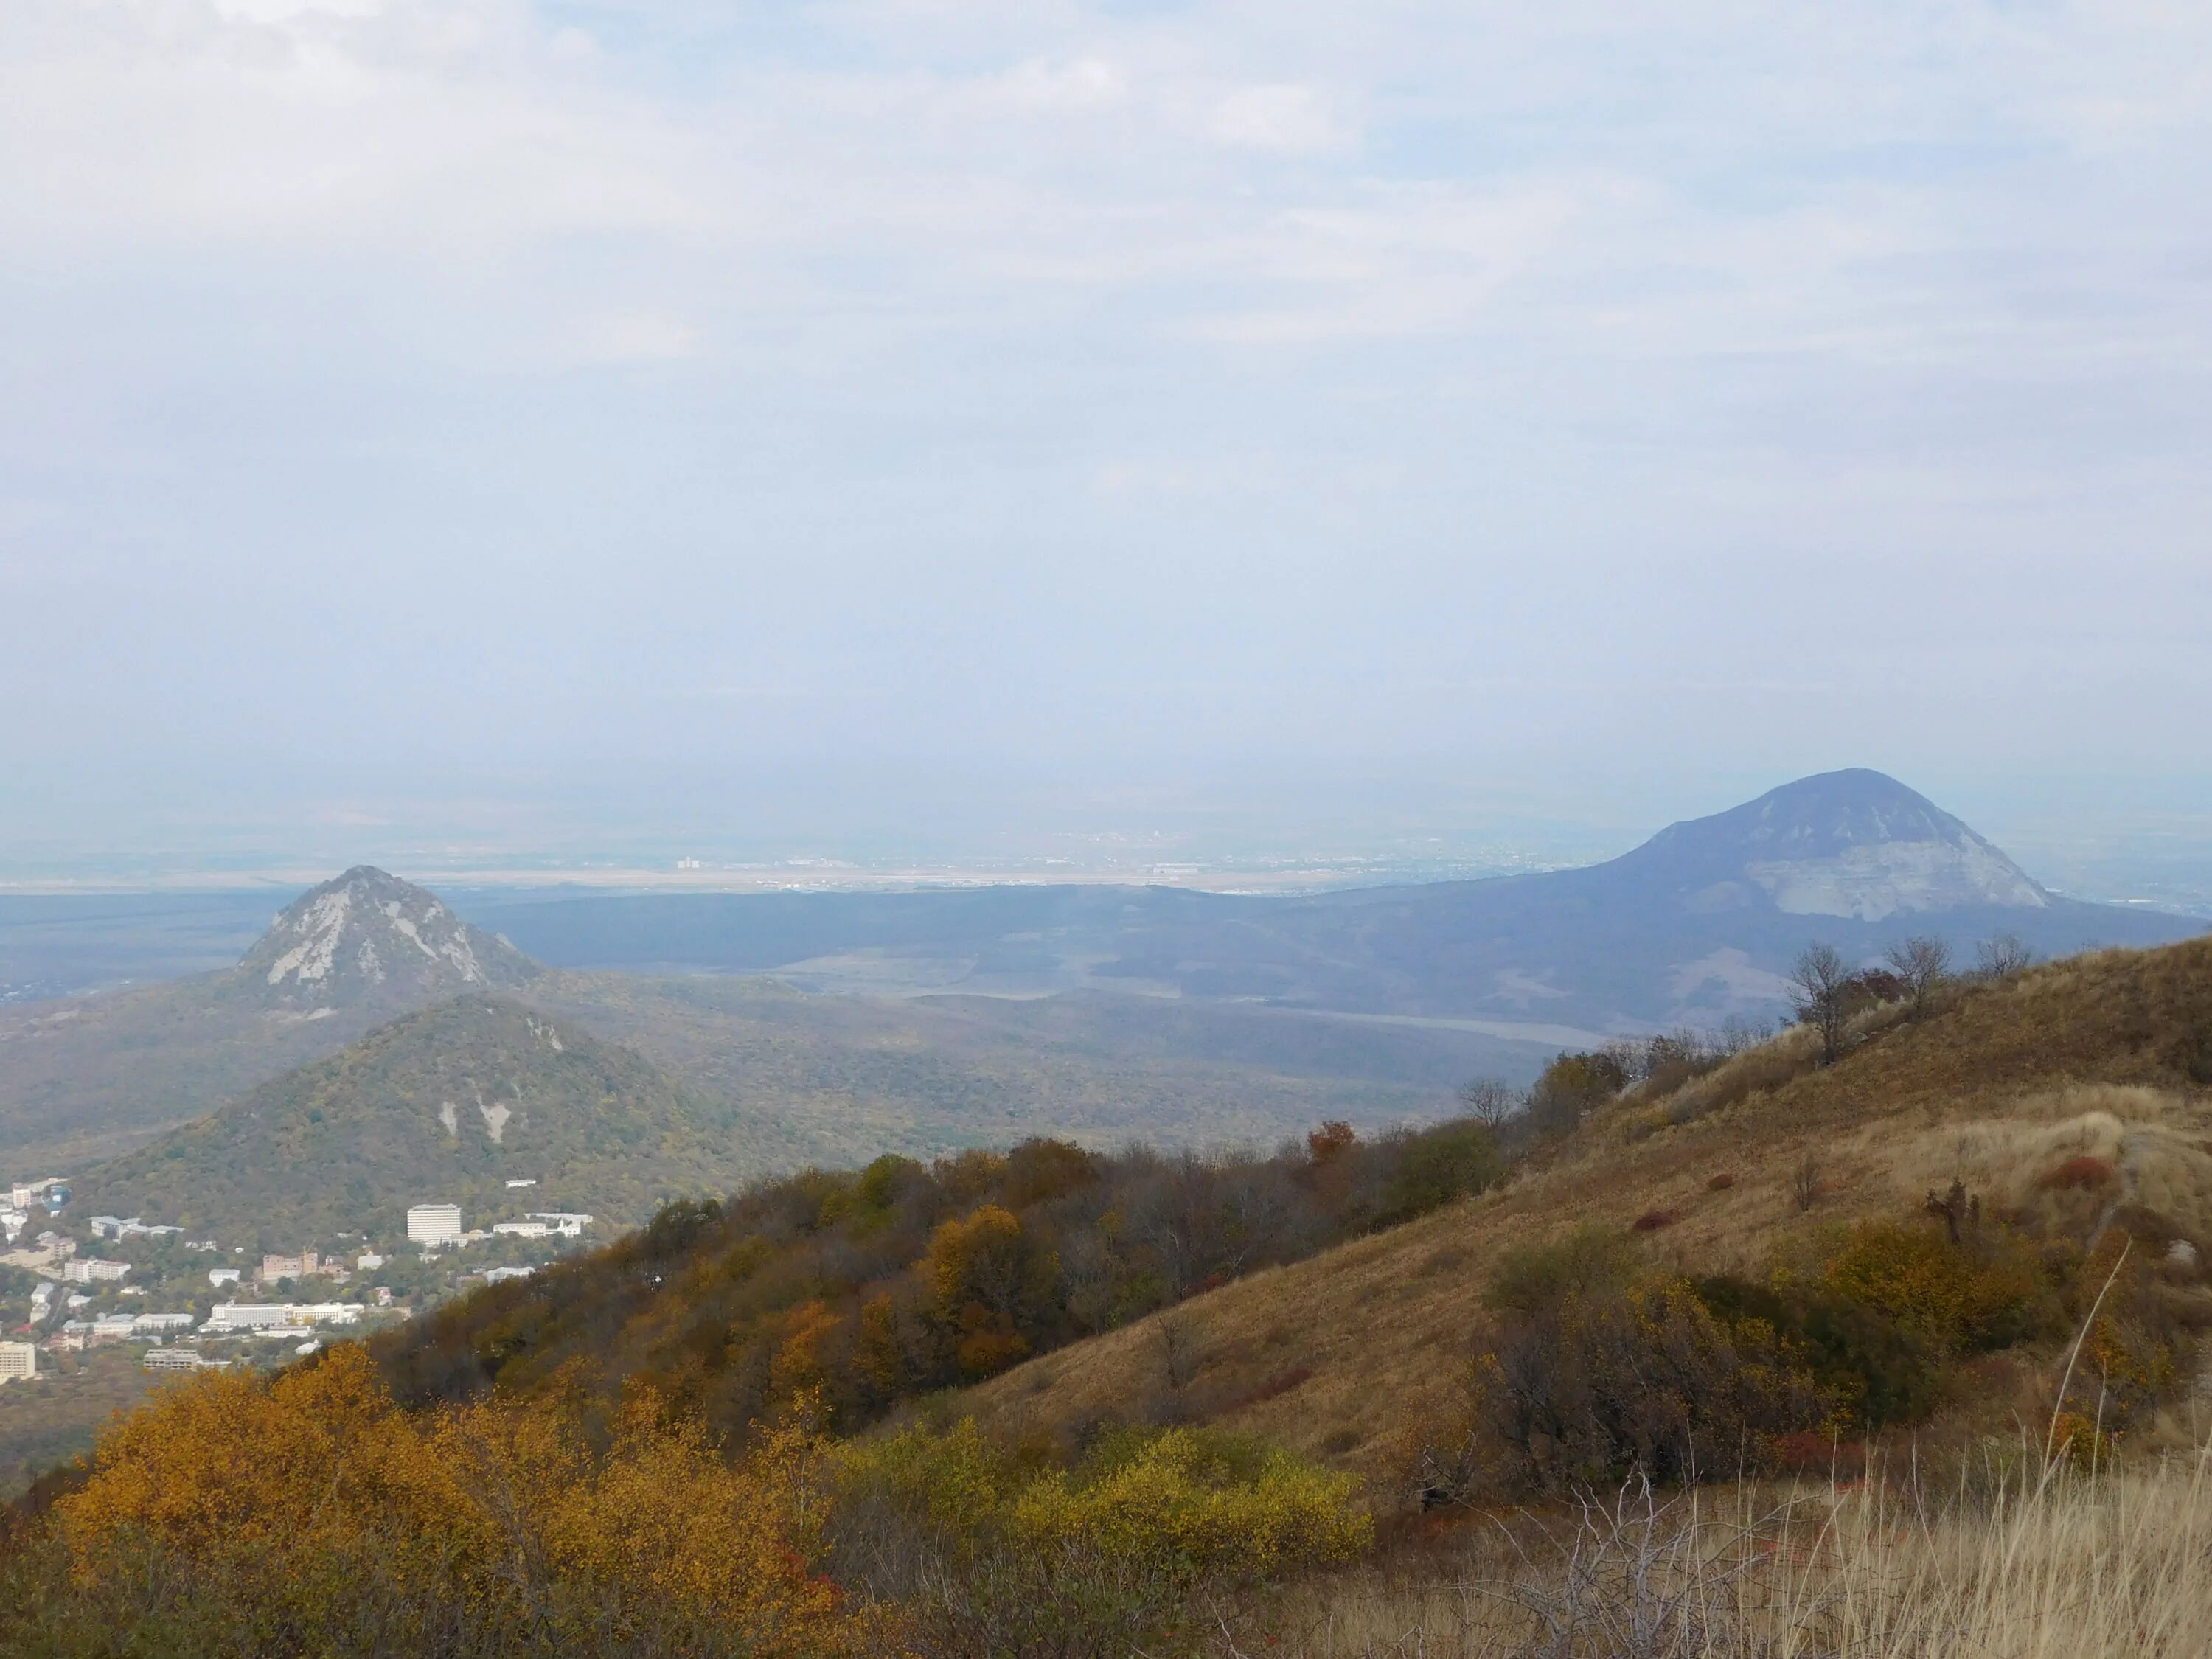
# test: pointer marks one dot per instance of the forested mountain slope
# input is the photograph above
(442, 1106)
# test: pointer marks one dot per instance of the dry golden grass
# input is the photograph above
(1339, 1356)
(2052, 1566)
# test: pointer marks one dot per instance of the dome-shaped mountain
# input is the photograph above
(369, 938)
(1854, 843)
(443, 1105)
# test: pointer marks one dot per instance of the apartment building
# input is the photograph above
(434, 1224)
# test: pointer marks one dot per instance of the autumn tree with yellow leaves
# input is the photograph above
(309, 1514)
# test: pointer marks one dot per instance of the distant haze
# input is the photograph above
(457, 432)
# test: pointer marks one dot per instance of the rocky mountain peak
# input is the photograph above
(1852, 843)
(368, 937)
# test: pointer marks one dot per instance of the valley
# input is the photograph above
(1057, 1219)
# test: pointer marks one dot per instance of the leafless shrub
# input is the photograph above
(1823, 1001)
(2002, 957)
(1805, 1182)
(1922, 962)
(1180, 1357)
(1491, 1101)
(1641, 1579)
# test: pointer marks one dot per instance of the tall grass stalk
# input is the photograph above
(2024, 1558)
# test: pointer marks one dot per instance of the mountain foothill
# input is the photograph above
(375, 1048)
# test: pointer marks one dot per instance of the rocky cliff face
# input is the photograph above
(368, 937)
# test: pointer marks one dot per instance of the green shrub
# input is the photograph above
(1878, 1371)
(1437, 1165)
(1588, 1262)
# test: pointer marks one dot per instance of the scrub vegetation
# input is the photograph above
(1879, 1336)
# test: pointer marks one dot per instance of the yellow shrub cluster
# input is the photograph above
(324, 1519)
(1959, 1297)
(1184, 1501)
(1173, 1498)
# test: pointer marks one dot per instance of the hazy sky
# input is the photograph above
(400, 392)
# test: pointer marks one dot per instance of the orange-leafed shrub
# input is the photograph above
(992, 1282)
(1331, 1139)
(1809, 1452)
(2086, 1172)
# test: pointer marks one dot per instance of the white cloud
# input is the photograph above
(634, 337)
(1553, 310)
(1290, 118)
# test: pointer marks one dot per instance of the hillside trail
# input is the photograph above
(2133, 1145)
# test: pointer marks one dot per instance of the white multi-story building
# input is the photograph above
(220, 1276)
(90, 1269)
(434, 1224)
(523, 1229)
(529, 1181)
(12, 1223)
(562, 1222)
(113, 1327)
(17, 1360)
(368, 1261)
(501, 1275)
(153, 1324)
(278, 1315)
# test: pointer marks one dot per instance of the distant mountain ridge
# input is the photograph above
(1196, 1005)
(1698, 924)
(82, 1079)
(1852, 843)
(368, 936)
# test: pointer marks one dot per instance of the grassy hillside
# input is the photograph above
(444, 1105)
(2107, 1056)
